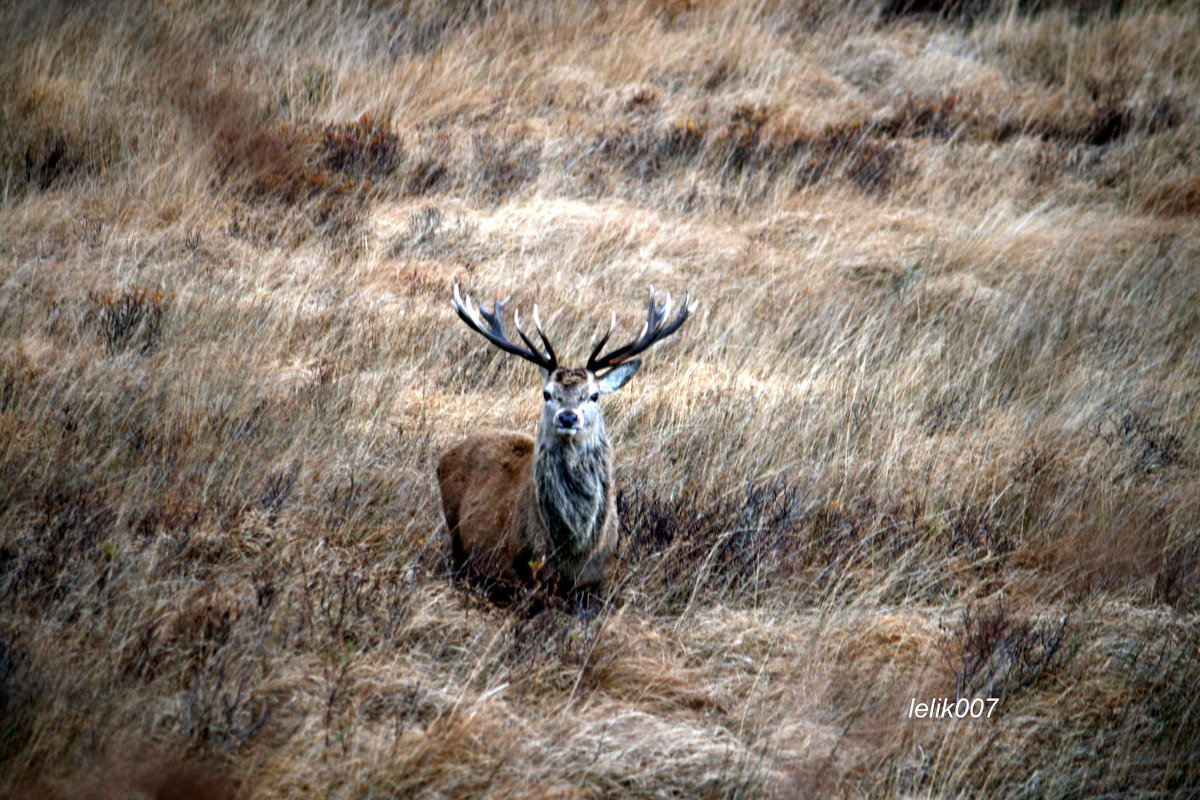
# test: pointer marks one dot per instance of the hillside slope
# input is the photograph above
(931, 433)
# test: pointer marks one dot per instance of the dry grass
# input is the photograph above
(934, 428)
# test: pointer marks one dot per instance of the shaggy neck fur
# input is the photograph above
(572, 484)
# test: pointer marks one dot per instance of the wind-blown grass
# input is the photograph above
(932, 430)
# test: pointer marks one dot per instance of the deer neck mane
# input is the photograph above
(572, 481)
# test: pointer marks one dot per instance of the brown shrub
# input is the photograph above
(132, 317)
(1178, 197)
(54, 133)
(751, 140)
(993, 652)
(153, 778)
(503, 164)
(778, 536)
(328, 171)
(366, 148)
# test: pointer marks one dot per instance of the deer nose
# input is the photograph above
(566, 419)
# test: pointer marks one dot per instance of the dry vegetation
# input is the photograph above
(934, 429)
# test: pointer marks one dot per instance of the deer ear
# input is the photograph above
(618, 376)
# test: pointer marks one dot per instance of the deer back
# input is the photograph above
(484, 481)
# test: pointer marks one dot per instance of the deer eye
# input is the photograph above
(595, 396)
(546, 396)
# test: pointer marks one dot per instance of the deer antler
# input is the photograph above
(489, 325)
(653, 331)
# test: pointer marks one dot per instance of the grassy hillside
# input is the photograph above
(932, 432)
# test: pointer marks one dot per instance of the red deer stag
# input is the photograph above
(525, 511)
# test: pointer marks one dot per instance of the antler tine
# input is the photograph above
(490, 325)
(593, 364)
(653, 331)
(537, 323)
